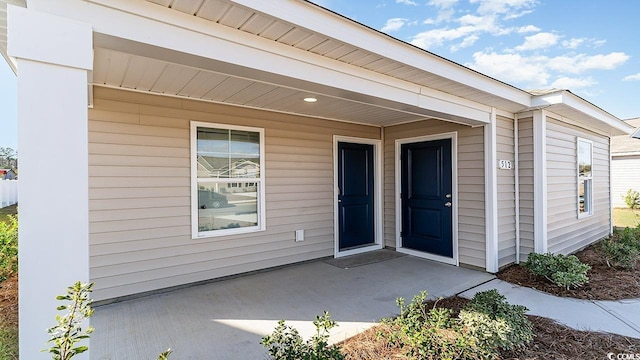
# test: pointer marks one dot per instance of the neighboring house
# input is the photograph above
(625, 165)
(7, 174)
(357, 139)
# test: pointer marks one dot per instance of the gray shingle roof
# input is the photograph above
(625, 143)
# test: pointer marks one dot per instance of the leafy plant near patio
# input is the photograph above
(486, 325)
(632, 199)
(564, 271)
(8, 247)
(68, 331)
(285, 343)
(622, 249)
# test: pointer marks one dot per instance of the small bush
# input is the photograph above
(8, 247)
(564, 271)
(622, 249)
(495, 322)
(285, 343)
(486, 325)
(632, 199)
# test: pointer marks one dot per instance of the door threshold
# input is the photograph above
(429, 256)
(358, 250)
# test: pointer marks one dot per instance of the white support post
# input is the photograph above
(540, 181)
(491, 193)
(53, 56)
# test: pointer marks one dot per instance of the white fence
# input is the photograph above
(8, 192)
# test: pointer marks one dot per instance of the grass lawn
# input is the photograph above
(6, 211)
(9, 305)
(625, 217)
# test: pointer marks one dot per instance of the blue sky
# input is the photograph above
(587, 46)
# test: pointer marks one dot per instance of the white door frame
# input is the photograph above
(377, 196)
(454, 195)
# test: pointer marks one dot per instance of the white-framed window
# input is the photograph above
(227, 179)
(585, 177)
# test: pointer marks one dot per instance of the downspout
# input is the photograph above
(610, 190)
(517, 183)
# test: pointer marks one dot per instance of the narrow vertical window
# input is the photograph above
(227, 179)
(585, 177)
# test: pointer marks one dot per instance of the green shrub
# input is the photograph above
(8, 247)
(622, 249)
(564, 271)
(68, 331)
(632, 198)
(486, 325)
(496, 323)
(285, 343)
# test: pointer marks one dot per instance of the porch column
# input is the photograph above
(491, 194)
(540, 181)
(53, 57)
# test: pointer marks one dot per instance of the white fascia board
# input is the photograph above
(636, 134)
(163, 28)
(316, 19)
(64, 41)
(573, 101)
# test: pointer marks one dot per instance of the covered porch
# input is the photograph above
(226, 319)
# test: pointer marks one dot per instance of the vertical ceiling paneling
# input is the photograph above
(152, 71)
(117, 64)
(226, 89)
(201, 84)
(173, 79)
(249, 93)
(187, 6)
(275, 30)
(256, 24)
(213, 10)
(235, 17)
(273, 97)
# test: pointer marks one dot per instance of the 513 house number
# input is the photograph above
(504, 164)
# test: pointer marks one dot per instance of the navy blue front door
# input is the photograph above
(426, 197)
(355, 196)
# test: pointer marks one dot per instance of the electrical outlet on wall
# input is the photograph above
(299, 235)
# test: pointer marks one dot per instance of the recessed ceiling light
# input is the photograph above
(310, 99)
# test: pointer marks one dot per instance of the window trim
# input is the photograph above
(579, 179)
(261, 207)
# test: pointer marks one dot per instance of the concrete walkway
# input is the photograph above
(618, 317)
(226, 319)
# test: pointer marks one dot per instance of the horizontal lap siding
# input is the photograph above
(625, 175)
(140, 214)
(565, 232)
(506, 193)
(525, 175)
(471, 228)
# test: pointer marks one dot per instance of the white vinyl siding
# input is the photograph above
(565, 232)
(471, 223)
(625, 175)
(526, 171)
(139, 193)
(506, 193)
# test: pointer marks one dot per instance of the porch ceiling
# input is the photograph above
(231, 14)
(134, 72)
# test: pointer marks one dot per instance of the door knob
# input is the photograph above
(448, 196)
(447, 204)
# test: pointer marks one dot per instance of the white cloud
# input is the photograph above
(527, 29)
(573, 43)
(573, 83)
(512, 68)
(468, 41)
(510, 8)
(538, 41)
(444, 4)
(437, 37)
(407, 2)
(581, 62)
(394, 24)
(634, 77)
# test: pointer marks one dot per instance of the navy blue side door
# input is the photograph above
(426, 197)
(356, 195)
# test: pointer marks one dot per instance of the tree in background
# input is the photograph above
(8, 158)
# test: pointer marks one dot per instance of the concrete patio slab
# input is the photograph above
(226, 319)
(604, 316)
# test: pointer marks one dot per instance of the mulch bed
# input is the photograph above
(9, 301)
(605, 283)
(551, 341)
